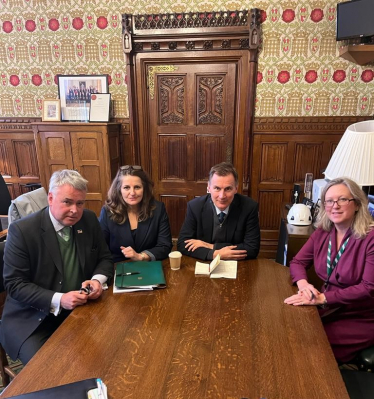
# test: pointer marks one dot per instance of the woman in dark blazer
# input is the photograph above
(135, 225)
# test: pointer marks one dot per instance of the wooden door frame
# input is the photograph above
(218, 36)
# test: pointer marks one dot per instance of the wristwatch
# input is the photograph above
(142, 254)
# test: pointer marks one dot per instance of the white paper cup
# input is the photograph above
(175, 260)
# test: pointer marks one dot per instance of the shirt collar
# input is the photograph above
(56, 224)
(218, 211)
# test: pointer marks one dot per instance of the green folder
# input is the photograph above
(148, 274)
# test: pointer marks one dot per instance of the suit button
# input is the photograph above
(40, 319)
(60, 282)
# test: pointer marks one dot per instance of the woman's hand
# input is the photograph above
(308, 290)
(300, 299)
(130, 253)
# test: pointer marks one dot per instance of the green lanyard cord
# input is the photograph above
(331, 266)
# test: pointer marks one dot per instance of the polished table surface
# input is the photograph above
(198, 338)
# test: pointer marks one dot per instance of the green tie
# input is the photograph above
(65, 233)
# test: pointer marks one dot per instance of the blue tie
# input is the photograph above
(221, 217)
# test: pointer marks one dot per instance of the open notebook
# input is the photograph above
(217, 268)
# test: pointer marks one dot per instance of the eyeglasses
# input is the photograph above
(340, 202)
(131, 167)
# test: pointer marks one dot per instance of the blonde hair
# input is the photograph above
(362, 222)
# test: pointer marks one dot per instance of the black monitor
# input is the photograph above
(355, 19)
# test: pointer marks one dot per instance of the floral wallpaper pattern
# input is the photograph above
(299, 74)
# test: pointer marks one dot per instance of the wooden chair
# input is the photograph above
(5, 371)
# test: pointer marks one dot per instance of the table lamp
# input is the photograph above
(354, 155)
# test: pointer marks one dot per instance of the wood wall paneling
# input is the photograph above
(18, 159)
(284, 150)
(176, 206)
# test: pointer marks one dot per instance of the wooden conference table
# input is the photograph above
(198, 338)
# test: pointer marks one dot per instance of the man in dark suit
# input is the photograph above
(55, 260)
(222, 222)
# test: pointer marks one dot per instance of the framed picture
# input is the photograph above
(75, 95)
(51, 111)
(100, 107)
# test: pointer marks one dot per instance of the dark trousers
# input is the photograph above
(38, 338)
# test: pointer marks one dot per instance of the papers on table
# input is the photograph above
(218, 268)
(98, 393)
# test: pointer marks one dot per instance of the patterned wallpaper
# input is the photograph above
(299, 72)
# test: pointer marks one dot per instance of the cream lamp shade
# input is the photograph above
(354, 155)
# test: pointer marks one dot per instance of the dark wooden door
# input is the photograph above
(191, 124)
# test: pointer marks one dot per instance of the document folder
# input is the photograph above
(139, 276)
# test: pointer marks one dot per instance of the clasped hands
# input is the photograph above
(228, 252)
(72, 299)
(306, 295)
(130, 253)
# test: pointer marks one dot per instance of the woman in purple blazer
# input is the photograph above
(342, 251)
(135, 225)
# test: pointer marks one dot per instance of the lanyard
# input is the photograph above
(331, 266)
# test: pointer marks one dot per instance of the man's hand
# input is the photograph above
(193, 244)
(72, 299)
(231, 253)
(95, 287)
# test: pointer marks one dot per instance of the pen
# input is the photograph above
(128, 274)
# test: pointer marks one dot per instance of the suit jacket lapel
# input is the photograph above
(207, 214)
(232, 218)
(50, 239)
(80, 236)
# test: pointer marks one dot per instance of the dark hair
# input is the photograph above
(116, 205)
(224, 169)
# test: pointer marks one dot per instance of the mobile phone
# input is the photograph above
(85, 290)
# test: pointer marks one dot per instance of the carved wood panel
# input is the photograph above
(5, 165)
(176, 206)
(210, 100)
(55, 152)
(26, 160)
(18, 159)
(171, 99)
(273, 162)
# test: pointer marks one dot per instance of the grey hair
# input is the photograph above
(67, 176)
(362, 222)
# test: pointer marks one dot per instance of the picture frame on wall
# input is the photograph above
(100, 107)
(51, 110)
(75, 95)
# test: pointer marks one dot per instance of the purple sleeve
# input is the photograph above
(365, 288)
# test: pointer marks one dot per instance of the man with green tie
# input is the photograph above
(55, 260)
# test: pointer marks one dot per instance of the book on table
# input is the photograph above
(217, 268)
(138, 276)
(85, 389)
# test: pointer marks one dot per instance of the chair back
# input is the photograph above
(27, 203)
(5, 198)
